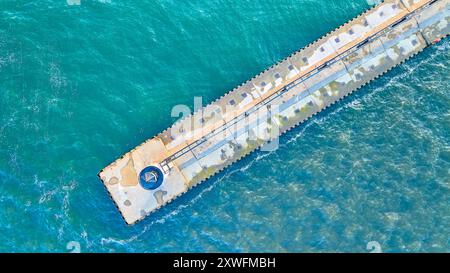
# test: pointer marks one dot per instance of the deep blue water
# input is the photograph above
(82, 84)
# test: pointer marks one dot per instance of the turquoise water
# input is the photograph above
(81, 85)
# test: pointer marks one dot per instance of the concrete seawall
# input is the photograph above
(273, 102)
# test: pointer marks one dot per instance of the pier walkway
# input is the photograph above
(279, 98)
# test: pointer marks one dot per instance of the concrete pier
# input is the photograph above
(283, 96)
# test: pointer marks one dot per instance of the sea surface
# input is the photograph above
(82, 84)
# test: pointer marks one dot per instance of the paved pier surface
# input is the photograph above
(281, 97)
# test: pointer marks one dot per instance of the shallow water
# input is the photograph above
(82, 84)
